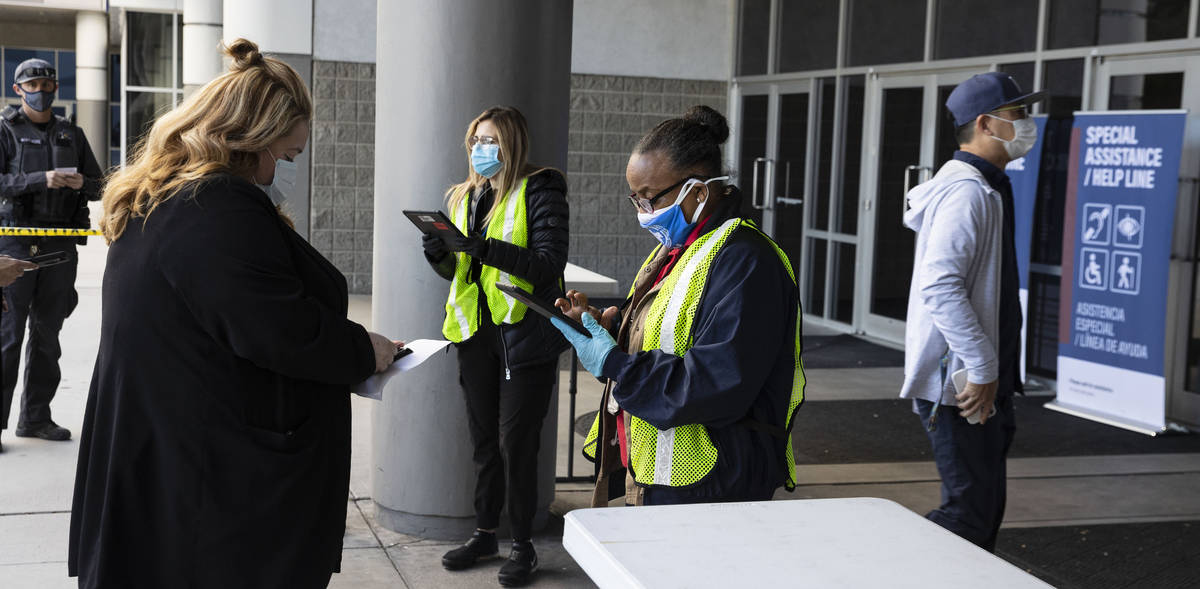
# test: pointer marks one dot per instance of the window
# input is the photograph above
(1078, 23)
(808, 35)
(754, 37)
(886, 31)
(152, 79)
(967, 29)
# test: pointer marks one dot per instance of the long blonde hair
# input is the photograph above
(221, 128)
(513, 138)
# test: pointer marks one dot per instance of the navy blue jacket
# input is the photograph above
(740, 365)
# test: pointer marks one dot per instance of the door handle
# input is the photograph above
(922, 177)
(754, 192)
(787, 187)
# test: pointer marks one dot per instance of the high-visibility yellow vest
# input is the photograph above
(685, 455)
(462, 305)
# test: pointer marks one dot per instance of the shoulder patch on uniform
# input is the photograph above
(9, 113)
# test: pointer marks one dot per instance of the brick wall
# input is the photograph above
(343, 167)
(609, 114)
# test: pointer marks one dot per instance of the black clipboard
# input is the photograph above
(50, 259)
(541, 308)
(435, 222)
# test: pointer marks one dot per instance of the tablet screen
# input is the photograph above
(541, 308)
(434, 222)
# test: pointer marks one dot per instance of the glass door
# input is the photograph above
(907, 138)
(750, 160)
(1170, 83)
(798, 155)
(773, 167)
(791, 172)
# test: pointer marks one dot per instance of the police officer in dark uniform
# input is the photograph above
(47, 176)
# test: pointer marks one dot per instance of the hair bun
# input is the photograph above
(245, 55)
(712, 121)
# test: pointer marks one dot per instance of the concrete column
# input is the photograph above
(202, 30)
(439, 65)
(91, 81)
(282, 29)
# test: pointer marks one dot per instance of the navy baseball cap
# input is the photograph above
(984, 93)
(33, 69)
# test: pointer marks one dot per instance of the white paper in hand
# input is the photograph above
(422, 349)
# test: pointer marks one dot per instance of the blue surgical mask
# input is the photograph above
(485, 159)
(669, 225)
(39, 101)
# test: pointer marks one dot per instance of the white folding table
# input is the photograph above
(857, 542)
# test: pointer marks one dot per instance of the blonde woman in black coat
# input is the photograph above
(216, 443)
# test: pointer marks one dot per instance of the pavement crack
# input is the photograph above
(378, 542)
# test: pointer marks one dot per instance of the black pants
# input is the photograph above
(43, 298)
(505, 418)
(971, 461)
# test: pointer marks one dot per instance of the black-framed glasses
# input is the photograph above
(484, 139)
(646, 205)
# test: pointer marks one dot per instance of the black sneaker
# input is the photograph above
(522, 562)
(480, 545)
(47, 430)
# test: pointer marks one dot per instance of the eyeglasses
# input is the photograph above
(1021, 110)
(484, 139)
(646, 205)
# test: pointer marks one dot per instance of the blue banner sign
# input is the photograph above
(1121, 193)
(1023, 173)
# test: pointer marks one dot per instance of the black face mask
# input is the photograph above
(39, 101)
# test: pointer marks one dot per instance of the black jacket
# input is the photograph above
(740, 365)
(533, 340)
(216, 441)
(26, 154)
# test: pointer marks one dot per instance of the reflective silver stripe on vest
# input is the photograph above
(664, 456)
(464, 326)
(510, 220)
(664, 445)
(666, 341)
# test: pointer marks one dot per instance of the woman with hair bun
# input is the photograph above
(216, 440)
(703, 360)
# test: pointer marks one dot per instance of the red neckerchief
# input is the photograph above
(673, 256)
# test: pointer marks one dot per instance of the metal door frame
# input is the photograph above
(865, 322)
(1181, 405)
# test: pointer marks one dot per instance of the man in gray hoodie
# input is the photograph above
(963, 308)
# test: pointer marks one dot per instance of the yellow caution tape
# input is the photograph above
(48, 231)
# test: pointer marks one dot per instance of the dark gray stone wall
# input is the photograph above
(343, 167)
(608, 116)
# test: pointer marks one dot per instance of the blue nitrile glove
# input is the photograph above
(592, 351)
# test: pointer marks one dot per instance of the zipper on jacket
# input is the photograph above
(938, 403)
(504, 347)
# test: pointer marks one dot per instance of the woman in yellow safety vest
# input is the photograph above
(704, 367)
(514, 218)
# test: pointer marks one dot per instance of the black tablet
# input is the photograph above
(435, 222)
(541, 308)
(51, 259)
